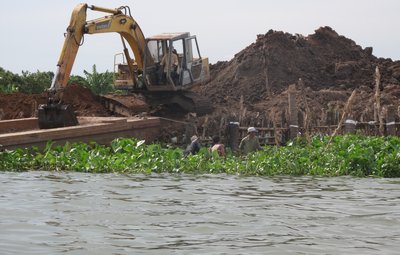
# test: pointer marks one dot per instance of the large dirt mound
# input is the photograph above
(322, 60)
(327, 67)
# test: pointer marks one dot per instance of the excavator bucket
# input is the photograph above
(54, 115)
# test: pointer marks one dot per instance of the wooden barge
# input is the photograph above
(23, 133)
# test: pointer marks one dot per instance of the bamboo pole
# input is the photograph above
(265, 64)
(378, 100)
(293, 112)
(307, 118)
(345, 111)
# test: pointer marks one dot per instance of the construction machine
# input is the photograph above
(163, 67)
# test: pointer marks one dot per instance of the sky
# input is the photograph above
(33, 31)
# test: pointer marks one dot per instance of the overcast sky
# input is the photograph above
(32, 31)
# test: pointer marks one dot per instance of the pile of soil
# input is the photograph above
(84, 102)
(20, 105)
(325, 66)
(322, 60)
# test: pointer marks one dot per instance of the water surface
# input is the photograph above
(74, 213)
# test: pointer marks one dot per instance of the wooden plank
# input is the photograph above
(16, 125)
(53, 134)
(108, 128)
(143, 123)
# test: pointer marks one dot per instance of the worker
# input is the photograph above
(174, 52)
(217, 146)
(175, 71)
(250, 143)
(194, 147)
(165, 61)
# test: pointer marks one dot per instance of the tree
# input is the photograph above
(27, 82)
(78, 80)
(34, 82)
(7, 81)
(99, 83)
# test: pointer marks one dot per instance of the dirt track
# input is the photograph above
(252, 87)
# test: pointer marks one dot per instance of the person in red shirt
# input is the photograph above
(217, 146)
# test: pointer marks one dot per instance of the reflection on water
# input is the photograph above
(73, 213)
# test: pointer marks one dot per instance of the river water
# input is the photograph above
(75, 213)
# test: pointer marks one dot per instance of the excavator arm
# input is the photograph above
(118, 22)
(73, 39)
(54, 113)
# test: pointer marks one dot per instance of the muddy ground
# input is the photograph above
(252, 87)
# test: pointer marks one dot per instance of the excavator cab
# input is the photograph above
(176, 63)
(172, 62)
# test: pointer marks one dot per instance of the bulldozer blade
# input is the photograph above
(55, 116)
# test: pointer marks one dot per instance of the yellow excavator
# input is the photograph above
(164, 66)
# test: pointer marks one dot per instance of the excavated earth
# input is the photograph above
(324, 66)
(252, 88)
(20, 105)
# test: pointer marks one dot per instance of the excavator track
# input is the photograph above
(127, 105)
(124, 105)
(192, 102)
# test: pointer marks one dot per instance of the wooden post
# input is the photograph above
(390, 120)
(293, 114)
(350, 126)
(220, 126)
(205, 126)
(241, 108)
(233, 136)
(189, 132)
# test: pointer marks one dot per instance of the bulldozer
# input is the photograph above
(164, 67)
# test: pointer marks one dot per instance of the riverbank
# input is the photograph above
(352, 155)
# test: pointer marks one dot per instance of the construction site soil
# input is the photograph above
(252, 88)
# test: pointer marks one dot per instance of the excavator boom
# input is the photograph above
(120, 23)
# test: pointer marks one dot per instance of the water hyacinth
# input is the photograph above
(353, 155)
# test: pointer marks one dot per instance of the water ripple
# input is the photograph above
(74, 213)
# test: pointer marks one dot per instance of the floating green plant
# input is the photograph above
(353, 155)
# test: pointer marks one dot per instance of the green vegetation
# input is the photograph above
(346, 155)
(99, 83)
(26, 82)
